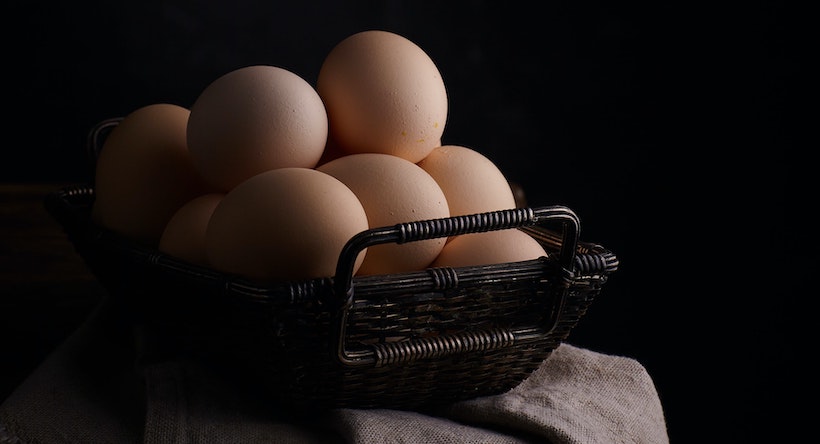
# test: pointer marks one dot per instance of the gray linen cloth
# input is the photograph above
(93, 390)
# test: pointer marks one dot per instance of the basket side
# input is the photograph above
(437, 335)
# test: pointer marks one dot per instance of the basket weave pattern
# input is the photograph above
(406, 340)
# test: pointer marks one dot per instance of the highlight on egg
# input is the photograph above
(471, 182)
(384, 94)
(392, 190)
(254, 119)
(284, 224)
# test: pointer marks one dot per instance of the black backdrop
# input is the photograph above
(671, 130)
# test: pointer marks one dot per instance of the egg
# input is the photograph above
(487, 248)
(284, 224)
(255, 119)
(184, 236)
(384, 94)
(392, 190)
(144, 173)
(471, 182)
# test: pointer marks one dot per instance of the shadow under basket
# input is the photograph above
(406, 341)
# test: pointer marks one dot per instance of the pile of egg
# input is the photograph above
(267, 177)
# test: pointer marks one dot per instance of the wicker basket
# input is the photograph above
(406, 340)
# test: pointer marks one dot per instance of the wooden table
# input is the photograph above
(46, 291)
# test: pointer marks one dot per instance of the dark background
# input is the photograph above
(672, 130)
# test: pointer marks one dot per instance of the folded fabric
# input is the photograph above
(91, 389)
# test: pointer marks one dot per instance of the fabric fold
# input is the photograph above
(577, 396)
(95, 388)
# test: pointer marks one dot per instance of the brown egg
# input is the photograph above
(383, 94)
(471, 182)
(184, 236)
(255, 119)
(392, 190)
(144, 173)
(490, 247)
(284, 224)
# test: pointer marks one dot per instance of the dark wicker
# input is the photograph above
(405, 340)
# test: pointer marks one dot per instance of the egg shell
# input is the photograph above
(487, 248)
(255, 119)
(471, 182)
(184, 236)
(144, 173)
(284, 224)
(384, 94)
(392, 190)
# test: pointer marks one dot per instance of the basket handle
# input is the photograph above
(557, 215)
(96, 139)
